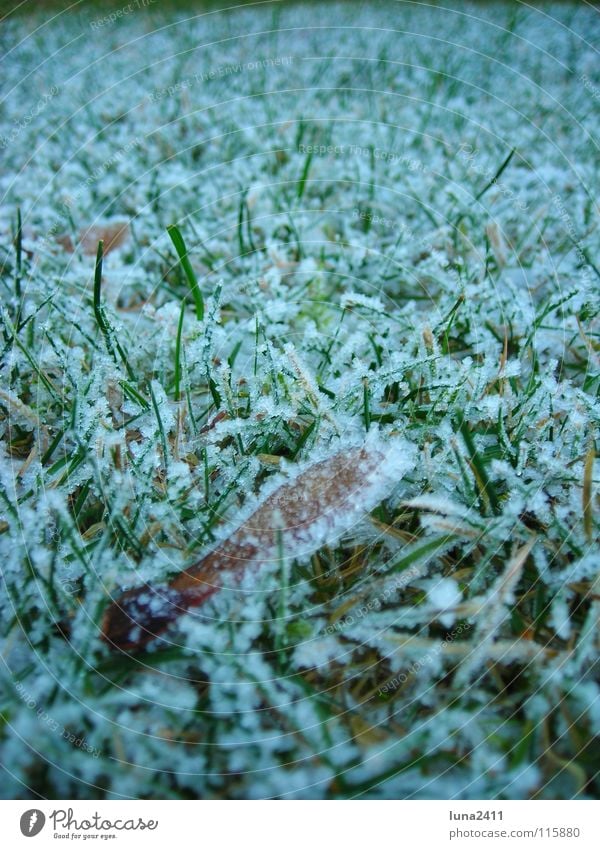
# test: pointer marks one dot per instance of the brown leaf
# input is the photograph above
(316, 505)
(113, 233)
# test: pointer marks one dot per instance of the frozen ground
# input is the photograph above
(331, 170)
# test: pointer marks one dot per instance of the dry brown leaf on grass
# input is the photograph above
(312, 507)
(113, 233)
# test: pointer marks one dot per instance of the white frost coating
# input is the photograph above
(445, 506)
(560, 618)
(352, 299)
(319, 652)
(444, 595)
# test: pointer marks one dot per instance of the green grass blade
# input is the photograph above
(98, 288)
(182, 253)
(178, 353)
(304, 176)
(482, 477)
(496, 176)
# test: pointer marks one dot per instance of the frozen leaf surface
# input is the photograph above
(311, 508)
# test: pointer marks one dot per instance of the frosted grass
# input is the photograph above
(390, 219)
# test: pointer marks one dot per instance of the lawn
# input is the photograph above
(299, 408)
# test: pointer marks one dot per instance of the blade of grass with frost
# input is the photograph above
(304, 176)
(19, 252)
(366, 405)
(98, 312)
(498, 606)
(244, 216)
(485, 486)
(496, 176)
(182, 253)
(487, 186)
(178, 353)
(313, 506)
(588, 517)
(161, 429)
(107, 329)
